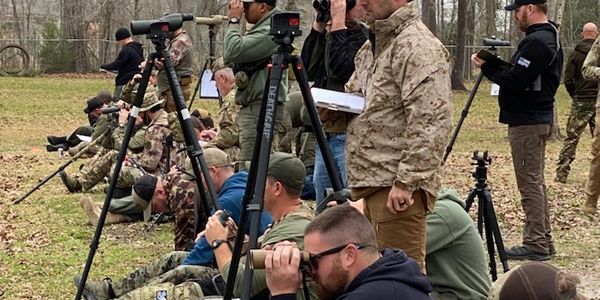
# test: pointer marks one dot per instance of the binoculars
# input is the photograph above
(257, 258)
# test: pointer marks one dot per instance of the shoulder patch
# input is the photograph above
(162, 295)
(523, 62)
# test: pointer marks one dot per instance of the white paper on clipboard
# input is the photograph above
(338, 100)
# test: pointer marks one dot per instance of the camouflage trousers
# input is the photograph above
(186, 89)
(582, 115)
(186, 291)
(167, 269)
(102, 165)
(248, 119)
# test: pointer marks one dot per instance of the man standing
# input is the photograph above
(329, 59)
(526, 99)
(127, 61)
(591, 71)
(583, 92)
(394, 148)
(251, 52)
(180, 46)
(345, 262)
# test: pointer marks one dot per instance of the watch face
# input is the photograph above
(216, 243)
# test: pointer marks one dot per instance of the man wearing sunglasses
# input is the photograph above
(345, 262)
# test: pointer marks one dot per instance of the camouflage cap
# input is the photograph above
(218, 64)
(287, 169)
(142, 192)
(150, 100)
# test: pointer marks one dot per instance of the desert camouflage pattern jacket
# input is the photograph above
(405, 79)
(227, 138)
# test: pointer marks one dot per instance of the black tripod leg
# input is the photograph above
(194, 150)
(463, 116)
(137, 102)
(489, 233)
(493, 224)
(302, 79)
(470, 199)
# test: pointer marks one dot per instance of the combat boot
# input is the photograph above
(55, 147)
(96, 290)
(55, 140)
(72, 184)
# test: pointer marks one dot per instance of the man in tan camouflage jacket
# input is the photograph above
(394, 148)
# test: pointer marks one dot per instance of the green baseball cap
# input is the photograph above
(287, 169)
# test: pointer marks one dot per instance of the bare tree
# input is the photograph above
(106, 21)
(17, 23)
(555, 13)
(490, 17)
(428, 14)
(461, 42)
(73, 27)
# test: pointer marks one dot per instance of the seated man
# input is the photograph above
(536, 280)
(291, 215)
(455, 259)
(152, 159)
(345, 262)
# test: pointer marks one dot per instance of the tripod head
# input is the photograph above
(159, 29)
(285, 26)
(481, 161)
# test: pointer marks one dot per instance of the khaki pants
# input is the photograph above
(248, 119)
(528, 148)
(186, 89)
(592, 189)
(405, 230)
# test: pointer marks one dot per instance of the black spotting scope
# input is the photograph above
(167, 23)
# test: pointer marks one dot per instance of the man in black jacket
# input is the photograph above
(329, 58)
(345, 262)
(584, 94)
(527, 89)
(127, 62)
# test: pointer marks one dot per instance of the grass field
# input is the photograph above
(44, 241)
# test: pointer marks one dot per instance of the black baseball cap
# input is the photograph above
(268, 2)
(518, 3)
(92, 104)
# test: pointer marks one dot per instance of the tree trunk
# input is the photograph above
(555, 13)
(17, 23)
(461, 41)
(490, 17)
(428, 15)
(106, 21)
(73, 27)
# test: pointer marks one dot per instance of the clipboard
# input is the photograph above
(339, 101)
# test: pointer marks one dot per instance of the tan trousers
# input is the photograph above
(405, 230)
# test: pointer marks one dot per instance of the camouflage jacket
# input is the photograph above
(130, 90)
(227, 138)
(591, 65)
(405, 79)
(136, 142)
(180, 49)
(154, 156)
(181, 198)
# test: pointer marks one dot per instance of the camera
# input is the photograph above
(167, 23)
(323, 8)
(285, 24)
(257, 258)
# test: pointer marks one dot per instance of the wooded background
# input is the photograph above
(78, 35)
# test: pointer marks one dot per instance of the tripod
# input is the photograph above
(486, 216)
(157, 33)
(208, 63)
(284, 31)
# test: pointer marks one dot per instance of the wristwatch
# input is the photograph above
(234, 20)
(217, 243)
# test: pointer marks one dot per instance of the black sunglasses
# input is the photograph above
(313, 259)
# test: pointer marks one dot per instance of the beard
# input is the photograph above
(335, 285)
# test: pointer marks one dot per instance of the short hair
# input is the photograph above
(543, 7)
(105, 96)
(292, 192)
(344, 224)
